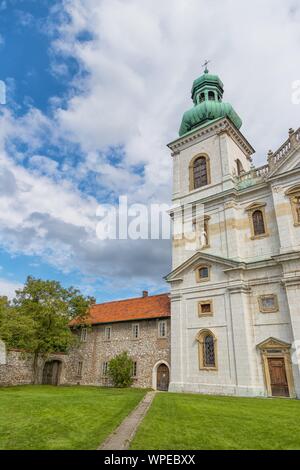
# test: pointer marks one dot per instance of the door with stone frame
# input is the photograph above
(278, 377)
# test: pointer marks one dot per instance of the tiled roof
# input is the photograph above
(141, 308)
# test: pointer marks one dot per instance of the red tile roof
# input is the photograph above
(141, 308)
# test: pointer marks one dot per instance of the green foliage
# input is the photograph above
(38, 317)
(120, 370)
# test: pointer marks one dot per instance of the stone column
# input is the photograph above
(177, 358)
(292, 287)
(245, 355)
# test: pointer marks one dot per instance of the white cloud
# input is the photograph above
(8, 288)
(141, 63)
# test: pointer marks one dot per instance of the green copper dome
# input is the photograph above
(207, 94)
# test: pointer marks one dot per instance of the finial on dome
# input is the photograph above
(205, 65)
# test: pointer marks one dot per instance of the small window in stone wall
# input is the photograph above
(105, 369)
(135, 331)
(108, 333)
(83, 336)
(205, 308)
(202, 274)
(162, 329)
(79, 369)
(134, 369)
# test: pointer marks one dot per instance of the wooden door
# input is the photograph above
(163, 378)
(51, 373)
(278, 378)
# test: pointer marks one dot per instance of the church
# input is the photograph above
(235, 296)
(231, 324)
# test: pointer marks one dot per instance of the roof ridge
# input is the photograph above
(130, 299)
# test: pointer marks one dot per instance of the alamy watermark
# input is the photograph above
(153, 222)
(2, 92)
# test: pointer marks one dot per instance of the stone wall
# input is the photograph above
(18, 369)
(148, 350)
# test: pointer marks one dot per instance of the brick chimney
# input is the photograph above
(145, 293)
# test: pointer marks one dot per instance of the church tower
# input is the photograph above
(231, 312)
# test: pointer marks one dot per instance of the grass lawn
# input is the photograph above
(179, 421)
(42, 417)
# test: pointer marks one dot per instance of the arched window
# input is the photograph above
(258, 223)
(202, 273)
(201, 97)
(239, 166)
(207, 350)
(200, 173)
(211, 96)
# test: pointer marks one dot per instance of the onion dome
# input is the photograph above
(207, 94)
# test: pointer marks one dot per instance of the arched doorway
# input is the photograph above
(163, 378)
(51, 372)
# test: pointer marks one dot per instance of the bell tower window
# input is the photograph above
(211, 96)
(199, 172)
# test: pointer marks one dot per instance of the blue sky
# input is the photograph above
(95, 91)
(25, 58)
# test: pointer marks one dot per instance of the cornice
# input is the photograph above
(219, 127)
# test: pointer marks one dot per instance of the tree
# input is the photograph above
(120, 370)
(38, 318)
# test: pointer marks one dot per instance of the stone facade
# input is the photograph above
(148, 351)
(84, 364)
(242, 267)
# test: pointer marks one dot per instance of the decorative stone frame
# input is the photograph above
(263, 309)
(205, 302)
(292, 193)
(273, 347)
(251, 209)
(191, 171)
(197, 269)
(200, 339)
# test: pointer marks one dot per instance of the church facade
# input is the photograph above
(235, 292)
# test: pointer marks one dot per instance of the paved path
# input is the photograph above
(121, 438)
